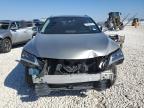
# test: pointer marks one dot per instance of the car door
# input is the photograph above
(21, 34)
(27, 30)
(17, 34)
(23, 30)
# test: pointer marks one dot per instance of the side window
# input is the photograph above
(18, 24)
(13, 25)
(22, 24)
(25, 24)
(29, 24)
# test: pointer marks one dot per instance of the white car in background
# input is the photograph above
(14, 32)
(70, 53)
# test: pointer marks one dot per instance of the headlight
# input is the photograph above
(116, 57)
(103, 64)
(29, 58)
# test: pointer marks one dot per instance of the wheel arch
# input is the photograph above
(8, 37)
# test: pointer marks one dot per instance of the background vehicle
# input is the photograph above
(135, 22)
(13, 32)
(37, 24)
(114, 21)
(70, 53)
(119, 39)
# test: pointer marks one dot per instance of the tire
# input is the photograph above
(6, 45)
(28, 78)
(107, 83)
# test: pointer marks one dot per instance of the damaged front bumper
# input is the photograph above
(55, 71)
(62, 74)
(44, 85)
(72, 78)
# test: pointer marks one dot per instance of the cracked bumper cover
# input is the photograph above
(73, 78)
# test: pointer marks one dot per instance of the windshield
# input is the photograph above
(4, 25)
(69, 25)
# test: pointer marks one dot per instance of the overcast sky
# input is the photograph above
(98, 9)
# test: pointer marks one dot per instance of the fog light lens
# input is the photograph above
(103, 64)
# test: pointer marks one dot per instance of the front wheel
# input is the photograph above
(6, 45)
(106, 83)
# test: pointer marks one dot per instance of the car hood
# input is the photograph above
(71, 46)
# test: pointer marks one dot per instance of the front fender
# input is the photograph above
(6, 35)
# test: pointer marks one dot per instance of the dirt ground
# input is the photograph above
(127, 92)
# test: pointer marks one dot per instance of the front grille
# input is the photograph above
(61, 66)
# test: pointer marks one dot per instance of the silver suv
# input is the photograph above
(13, 32)
(70, 53)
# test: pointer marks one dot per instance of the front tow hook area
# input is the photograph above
(42, 89)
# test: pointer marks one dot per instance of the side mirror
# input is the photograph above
(14, 28)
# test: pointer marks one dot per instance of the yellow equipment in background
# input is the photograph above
(135, 22)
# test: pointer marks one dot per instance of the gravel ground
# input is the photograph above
(128, 91)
